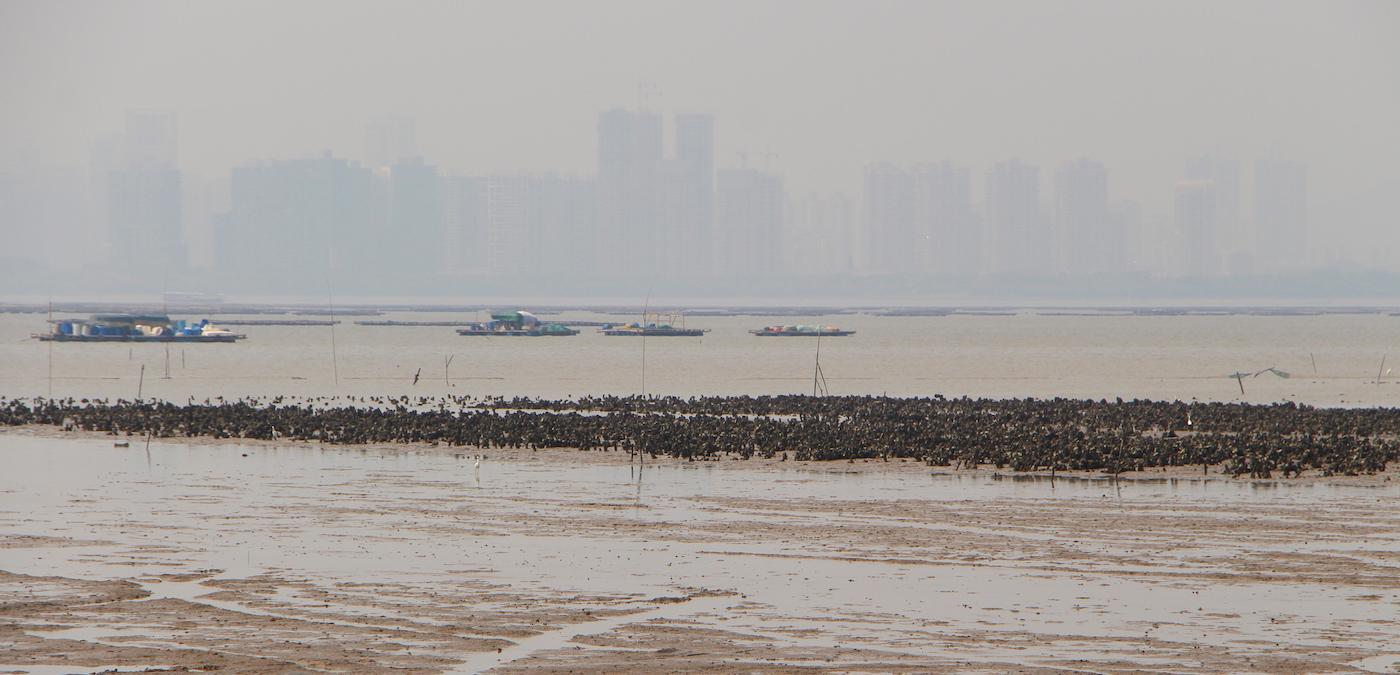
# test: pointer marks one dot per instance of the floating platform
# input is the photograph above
(519, 323)
(135, 328)
(802, 331)
(654, 324)
(52, 337)
(546, 331)
(391, 322)
(658, 331)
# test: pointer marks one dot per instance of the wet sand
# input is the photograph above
(288, 558)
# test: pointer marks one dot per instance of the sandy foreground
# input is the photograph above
(289, 558)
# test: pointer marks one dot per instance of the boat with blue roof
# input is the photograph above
(135, 328)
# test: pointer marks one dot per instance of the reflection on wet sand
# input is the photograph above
(292, 558)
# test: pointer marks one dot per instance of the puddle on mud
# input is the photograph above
(431, 564)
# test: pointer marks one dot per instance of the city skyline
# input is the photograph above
(1247, 139)
(656, 212)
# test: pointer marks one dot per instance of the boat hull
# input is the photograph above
(824, 333)
(515, 333)
(140, 338)
(687, 332)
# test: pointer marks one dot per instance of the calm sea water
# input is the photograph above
(1028, 354)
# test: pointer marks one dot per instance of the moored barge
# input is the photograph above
(802, 331)
(516, 324)
(135, 328)
(654, 325)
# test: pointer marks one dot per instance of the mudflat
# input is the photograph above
(284, 558)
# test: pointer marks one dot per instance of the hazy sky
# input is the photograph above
(827, 86)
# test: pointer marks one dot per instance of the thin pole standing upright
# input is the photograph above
(330, 301)
(641, 461)
(51, 349)
(646, 307)
(817, 369)
(165, 309)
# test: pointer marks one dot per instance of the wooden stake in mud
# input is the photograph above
(330, 304)
(141, 383)
(641, 463)
(50, 351)
(646, 307)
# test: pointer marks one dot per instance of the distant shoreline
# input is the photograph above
(708, 309)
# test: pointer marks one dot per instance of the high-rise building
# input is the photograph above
(894, 244)
(1138, 249)
(654, 214)
(629, 192)
(1235, 243)
(1197, 217)
(946, 238)
(819, 235)
(562, 212)
(1019, 243)
(510, 238)
(919, 220)
(464, 207)
(293, 222)
(46, 216)
(409, 240)
(150, 139)
(202, 198)
(1086, 241)
(143, 199)
(690, 193)
(532, 225)
(1281, 214)
(390, 140)
(748, 223)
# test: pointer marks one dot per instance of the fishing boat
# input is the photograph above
(654, 325)
(135, 328)
(516, 324)
(801, 331)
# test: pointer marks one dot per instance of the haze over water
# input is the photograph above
(1027, 354)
